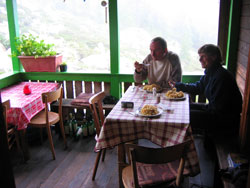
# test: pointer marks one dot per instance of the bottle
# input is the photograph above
(154, 92)
(70, 125)
(158, 98)
(85, 130)
(66, 127)
(74, 125)
(78, 133)
(91, 128)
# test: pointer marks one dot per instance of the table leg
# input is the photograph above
(121, 162)
(24, 145)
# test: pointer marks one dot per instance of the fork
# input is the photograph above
(132, 113)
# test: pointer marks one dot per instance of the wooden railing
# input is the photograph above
(75, 83)
(73, 86)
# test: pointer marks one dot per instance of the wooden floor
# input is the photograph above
(73, 167)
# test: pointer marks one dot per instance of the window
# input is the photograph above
(76, 27)
(5, 63)
(185, 25)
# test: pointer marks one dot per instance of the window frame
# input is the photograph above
(231, 47)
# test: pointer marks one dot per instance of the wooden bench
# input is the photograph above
(66, 103)
(223, 148)
(68, 107)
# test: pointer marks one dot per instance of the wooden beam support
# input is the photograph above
(245, 120)
(11, 7)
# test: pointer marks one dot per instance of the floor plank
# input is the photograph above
(73, 167)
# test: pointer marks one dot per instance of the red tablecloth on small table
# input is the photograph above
(24, 107)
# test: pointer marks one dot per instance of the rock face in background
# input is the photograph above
(5, 62)
(79, 31)
(78, 34)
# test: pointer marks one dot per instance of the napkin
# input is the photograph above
(165, 107)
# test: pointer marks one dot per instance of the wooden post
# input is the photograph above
(245, 120)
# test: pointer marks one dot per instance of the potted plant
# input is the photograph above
(37, 56)
(63, 67)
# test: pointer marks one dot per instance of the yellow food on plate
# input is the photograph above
(174, 94)
(150, 87)
(149, 110)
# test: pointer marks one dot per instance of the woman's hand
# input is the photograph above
(138, 66)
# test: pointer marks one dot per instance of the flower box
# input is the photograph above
(41, 64)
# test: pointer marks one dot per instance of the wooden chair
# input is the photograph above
(155, 167)
(97, 112)
(47, 118)
(12, 134)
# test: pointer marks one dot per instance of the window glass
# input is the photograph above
(185, 25)
(5, 63)
(76, 27)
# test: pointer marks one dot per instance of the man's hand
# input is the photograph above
(138, 66)
(171, 83)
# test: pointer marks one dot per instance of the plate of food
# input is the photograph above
(149, 111)
(175, 95)
(149, 88)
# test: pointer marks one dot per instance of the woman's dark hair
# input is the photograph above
(211, 50)
(161, 41)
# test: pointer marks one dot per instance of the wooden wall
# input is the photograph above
(242, 75)
(243, 46)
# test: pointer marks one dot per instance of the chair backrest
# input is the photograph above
(52, 96)
(9, 132)
(6, 107)
(158, 156)
(97, 110)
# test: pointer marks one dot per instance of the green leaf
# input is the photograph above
(30, 46)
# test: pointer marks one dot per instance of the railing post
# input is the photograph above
(115, 89)
(114, 48)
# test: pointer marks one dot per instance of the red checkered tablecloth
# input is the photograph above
(24, 107)
(171, 128)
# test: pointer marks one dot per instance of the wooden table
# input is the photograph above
(24, 107)
(171, 128)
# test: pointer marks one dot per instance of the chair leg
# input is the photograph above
(96, 164)
(127, 152)
(63, 133)
(51, 142)
(180, 172)
(103, 154)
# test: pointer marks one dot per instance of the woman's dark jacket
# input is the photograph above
(220, 88)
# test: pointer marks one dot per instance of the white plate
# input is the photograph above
(141, 89)
(160, 110)
(175, 99)
(158, 91)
